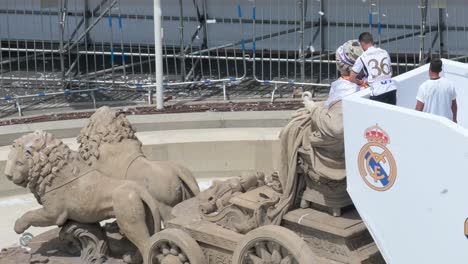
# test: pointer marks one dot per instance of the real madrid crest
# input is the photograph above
(376, 163)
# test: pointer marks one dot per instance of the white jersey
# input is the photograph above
(339, 89)
(437, 96)
(377, 65)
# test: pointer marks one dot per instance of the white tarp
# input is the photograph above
(412, 191)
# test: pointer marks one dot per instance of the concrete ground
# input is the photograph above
(11, 208)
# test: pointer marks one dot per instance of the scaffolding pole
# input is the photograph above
(441, 29)
(302, 9)
(62, 18)
(422, 35)
(182, 48)
(95, 22)
(158, 53)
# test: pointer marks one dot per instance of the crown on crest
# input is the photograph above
(376, 134)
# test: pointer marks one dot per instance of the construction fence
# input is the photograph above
(55, 47)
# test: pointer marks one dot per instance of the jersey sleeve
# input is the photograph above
(420, 95)
(358, 65)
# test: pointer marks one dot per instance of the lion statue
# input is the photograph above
(68, 189)
(109, 144)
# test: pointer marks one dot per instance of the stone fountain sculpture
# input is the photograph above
(292, 216)
(307, 195)
(69, 190)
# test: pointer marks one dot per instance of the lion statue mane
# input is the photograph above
(48, 156)
(109, 144)
(104, 126)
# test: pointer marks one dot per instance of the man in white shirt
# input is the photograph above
(377, 66)
(346, 56)
(437, 95)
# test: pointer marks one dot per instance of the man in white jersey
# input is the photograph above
(437, 95)
(377, 66)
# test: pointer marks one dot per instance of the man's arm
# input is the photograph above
(454, 110)
(355, 70)
(353, 78)
(419, 105)
(420, 98)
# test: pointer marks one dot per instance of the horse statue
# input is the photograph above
(69, 190)
(109, 144)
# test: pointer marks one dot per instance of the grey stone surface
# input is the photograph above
(71, 128)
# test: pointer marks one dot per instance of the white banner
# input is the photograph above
(407, 176)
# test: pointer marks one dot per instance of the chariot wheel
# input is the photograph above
(272, 245)
(174, 246)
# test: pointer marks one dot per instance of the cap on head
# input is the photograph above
(436, 65)
(346, 56)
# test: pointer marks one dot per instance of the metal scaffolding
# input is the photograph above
(78, 45)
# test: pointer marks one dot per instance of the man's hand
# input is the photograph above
(364, 85)
(353, 79)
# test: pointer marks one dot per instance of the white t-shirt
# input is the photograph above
(377, 65)
(437, 96)
(339, 89)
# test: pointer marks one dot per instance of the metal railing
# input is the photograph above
(55, 46)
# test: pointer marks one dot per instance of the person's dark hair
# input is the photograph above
(366, 37)
(436, 65)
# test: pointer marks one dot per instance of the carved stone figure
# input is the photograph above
(68, 189)
(239, 204)
(218, 195)
(312, 162)
(109, 144)
(90, 239)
